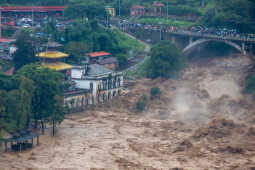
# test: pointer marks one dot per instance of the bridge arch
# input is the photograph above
(201, 41)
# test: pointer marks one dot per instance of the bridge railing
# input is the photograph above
(188, 33)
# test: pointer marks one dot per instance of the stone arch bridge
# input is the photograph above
(188, 41)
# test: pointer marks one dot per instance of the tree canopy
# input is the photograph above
(165, 59)
(34, 93)
(238, 14)
(25, 53)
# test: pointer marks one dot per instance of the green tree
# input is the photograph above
(237, 14)
(15, 109)
(165, 59)
(57, 115)
(122, 59)
(141, 103)
(90, 9)
(26, 89)
(26, 51)
(155, 92)
(48, 84)
(77, 51)
(250, 85)
(15, 105)
(3, 112)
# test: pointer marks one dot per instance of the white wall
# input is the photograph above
(85, 84)
(76, 73)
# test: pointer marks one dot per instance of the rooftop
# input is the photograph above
(109, 60)
(52, 44)
(9, 72)
(158, 4)
(96, 69)
(3, 40)
(138, 7)
(98, 54)
(22, 138)
(32, 8)
(52, 54)
(58, 66)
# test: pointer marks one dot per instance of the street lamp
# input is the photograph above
(32, 16)
(119, 8)
(160, 31)
(167, 10)
(203, 3)
(1, 22)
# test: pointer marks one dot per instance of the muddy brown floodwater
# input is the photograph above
(202, 121)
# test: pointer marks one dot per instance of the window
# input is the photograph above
(91, 86)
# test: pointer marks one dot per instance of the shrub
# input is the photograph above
(140, 105)
(144, 98)
(155, 92)
(250, 85)
(165, 60)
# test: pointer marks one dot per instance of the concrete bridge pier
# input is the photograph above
(173, 39)
(190, 40)
(243, 48)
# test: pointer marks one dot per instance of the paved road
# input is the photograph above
(146, 50)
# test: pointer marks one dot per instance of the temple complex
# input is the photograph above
(53, 59)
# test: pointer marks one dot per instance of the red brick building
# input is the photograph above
(137, 10)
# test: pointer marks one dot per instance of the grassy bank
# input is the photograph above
(5, 65)
(128, 42)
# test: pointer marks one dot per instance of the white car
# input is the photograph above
(26, 26)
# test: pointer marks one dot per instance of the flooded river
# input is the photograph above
(201, 122)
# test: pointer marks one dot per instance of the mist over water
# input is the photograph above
(188, 107)
(208, 89)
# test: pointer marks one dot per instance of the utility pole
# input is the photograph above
(203, 3)
(107, 19)
(32, 17)
(1, 23)
(167, 10)
(160, 31)
(119, 8)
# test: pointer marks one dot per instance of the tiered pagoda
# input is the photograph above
(53, 59)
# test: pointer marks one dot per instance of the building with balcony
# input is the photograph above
(103, 82)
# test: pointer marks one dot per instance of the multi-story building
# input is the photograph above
(103, 82)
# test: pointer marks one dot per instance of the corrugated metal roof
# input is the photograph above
(138, 7)
(32, 8)
(109, 60)
(97, 54)
(96, 69)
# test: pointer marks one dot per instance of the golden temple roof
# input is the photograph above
(52, 54)
(58, 66)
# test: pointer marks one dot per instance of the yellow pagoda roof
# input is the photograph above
(58, 66)
(52, 54)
